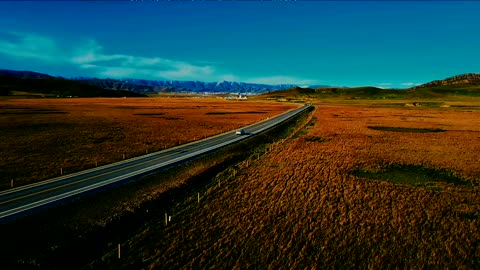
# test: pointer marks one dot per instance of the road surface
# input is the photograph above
(24, 199)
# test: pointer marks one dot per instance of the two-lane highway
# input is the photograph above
(18, 201)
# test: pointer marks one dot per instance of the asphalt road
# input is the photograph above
(24, 199)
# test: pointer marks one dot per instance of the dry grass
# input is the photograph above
(299, 206)
(40, 136)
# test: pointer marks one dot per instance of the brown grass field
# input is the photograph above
(38, 137)
(300, 204)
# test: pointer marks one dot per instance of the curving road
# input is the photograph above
(24, 199)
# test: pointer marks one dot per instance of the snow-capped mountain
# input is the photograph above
(156, 86)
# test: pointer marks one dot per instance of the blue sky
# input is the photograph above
(345, 43)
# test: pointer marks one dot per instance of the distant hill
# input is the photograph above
(464, 79)
(294, 92)
(343, 92)
(461, 85)
(12, 82)
(160, 86)
(24, 74)
(34, 82)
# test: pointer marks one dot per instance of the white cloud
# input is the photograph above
(384, 85)
(282, 80)
(32, 46)
(118, 72)
(181, 70)
(121, 66)
(91, 56)
(86, 53)
(410, 84)
(229, 77)
(88, 66)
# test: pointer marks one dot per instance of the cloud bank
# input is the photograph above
(29, 46)
(410, 84)
(281, 80)
(91, 57)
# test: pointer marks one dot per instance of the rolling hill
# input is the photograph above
(464, 79)
(461, 85)
(340, 92)
(33, 83)
(24, 74)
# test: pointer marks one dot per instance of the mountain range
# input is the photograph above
(34, 81)
(159, 86)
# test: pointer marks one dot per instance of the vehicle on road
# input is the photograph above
(22, 200)
(241, 132)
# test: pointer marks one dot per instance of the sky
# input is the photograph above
(395, 44)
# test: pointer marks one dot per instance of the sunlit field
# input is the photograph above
(322, 199)
(42, 138)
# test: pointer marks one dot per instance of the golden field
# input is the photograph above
(40, 138)
(300, 205)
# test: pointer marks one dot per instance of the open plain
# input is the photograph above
(318, 199)
(359, 184)
(42, 138)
